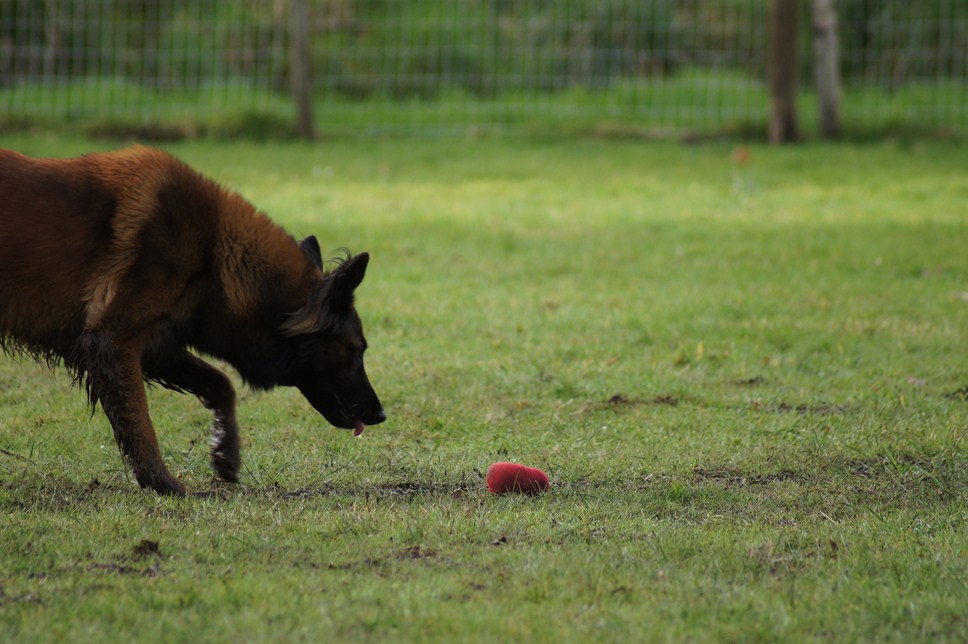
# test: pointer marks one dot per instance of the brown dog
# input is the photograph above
(117, 263)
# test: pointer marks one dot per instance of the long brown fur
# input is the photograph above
(114, 263)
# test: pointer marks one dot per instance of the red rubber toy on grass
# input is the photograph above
(505, 478)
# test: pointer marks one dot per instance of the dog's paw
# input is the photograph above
(225, 462)
(162, 482)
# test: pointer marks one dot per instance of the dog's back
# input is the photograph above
(72, 229)
(53, 214)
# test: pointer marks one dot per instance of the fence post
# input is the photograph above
(783, 71)
(826, 65)
(302, 71)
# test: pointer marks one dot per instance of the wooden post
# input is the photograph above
(301, 72)
(826, 65)
(783, 71)
(53, 41)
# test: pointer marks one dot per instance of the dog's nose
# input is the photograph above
(377, 417)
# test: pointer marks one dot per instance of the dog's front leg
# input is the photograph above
(181, 370)
(115, 379)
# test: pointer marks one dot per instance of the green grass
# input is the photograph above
(694, 103)
(743, 380)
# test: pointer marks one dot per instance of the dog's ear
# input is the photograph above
(347, 278)
(310, 248)
(328, 303)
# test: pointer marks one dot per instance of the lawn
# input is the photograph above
(743, 369)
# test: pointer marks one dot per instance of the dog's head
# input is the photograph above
(328, 368)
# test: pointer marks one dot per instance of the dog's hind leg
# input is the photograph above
(114, 378)
(182, 371)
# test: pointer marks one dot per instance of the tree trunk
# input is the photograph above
(302, 74)
(826, 65)
(783, 71)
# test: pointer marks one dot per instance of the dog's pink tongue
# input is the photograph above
(358, 427)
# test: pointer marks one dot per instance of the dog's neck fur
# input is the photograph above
(275, 265)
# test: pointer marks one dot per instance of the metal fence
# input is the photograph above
(431, 65)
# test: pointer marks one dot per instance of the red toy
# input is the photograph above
(503, 478)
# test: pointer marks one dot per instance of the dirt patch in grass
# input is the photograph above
(386, 490)
(143, 559)
(621, 400)
(122, 569)
(8, 598)
(959, 394)
(56, 494)
(415, 552)
(145, 549)
(734, 478)
(755, 381)
(895, 476)
(803, 409)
